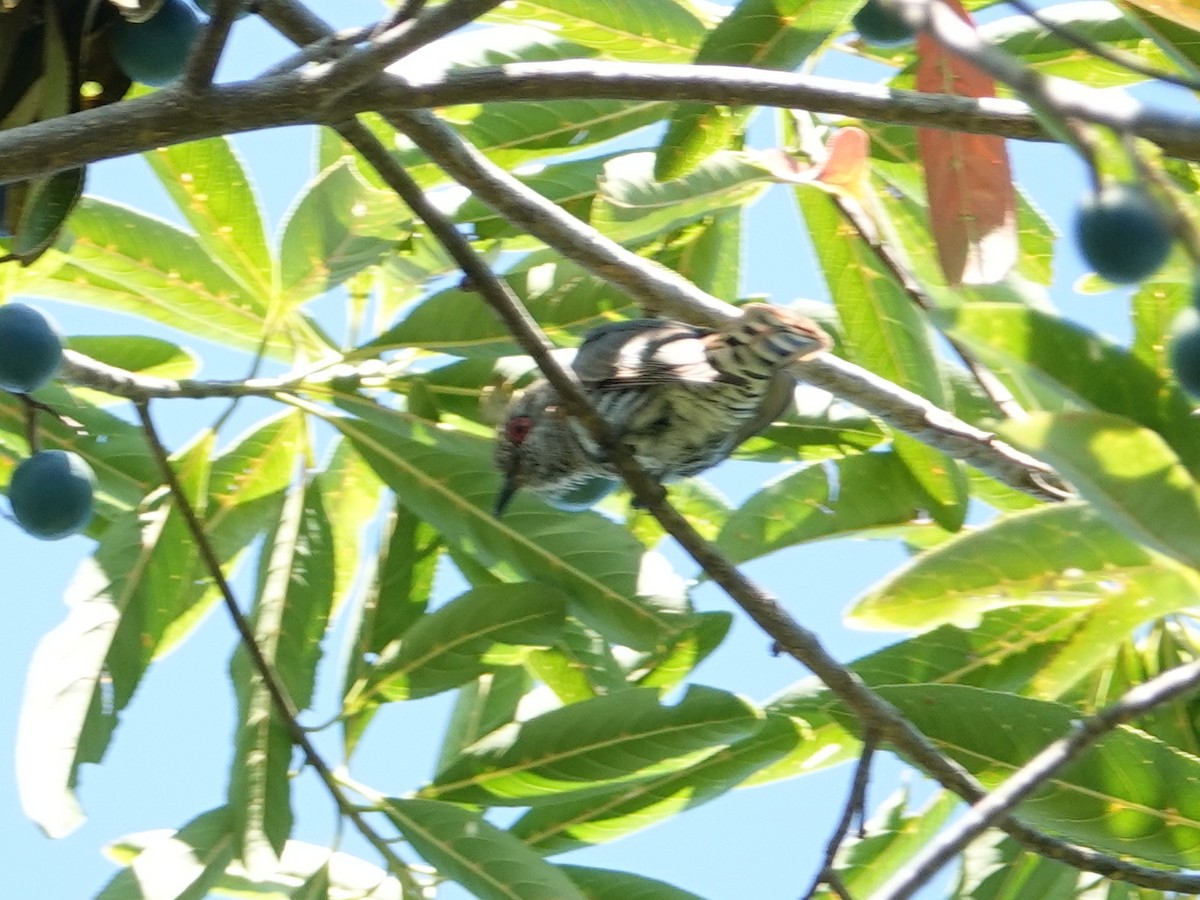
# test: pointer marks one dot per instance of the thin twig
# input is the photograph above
(854, 809)
(1100, 51)
(202, 63)
(280, 700)
(362, 65)
(1001, 801)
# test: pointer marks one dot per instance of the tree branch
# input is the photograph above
(280, 700)
(173, 115)
(1001, 801)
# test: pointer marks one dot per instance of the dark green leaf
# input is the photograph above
(488, 862)
(586, 747)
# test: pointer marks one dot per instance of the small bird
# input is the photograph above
(681, 397)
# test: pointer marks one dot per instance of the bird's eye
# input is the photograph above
(518, 429)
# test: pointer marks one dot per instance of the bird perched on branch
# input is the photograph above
(681, 397)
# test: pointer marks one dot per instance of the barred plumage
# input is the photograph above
(679, 396)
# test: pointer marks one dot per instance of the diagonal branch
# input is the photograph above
(280, 700)
(1037, 772)
(659, 288)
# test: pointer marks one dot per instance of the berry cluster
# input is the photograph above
(51, 492)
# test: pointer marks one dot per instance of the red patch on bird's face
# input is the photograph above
(518, 429)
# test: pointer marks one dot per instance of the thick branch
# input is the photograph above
(173, 115)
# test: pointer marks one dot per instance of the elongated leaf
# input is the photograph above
(338, 226)
(350, 493)
(210, 187)
(448, 647)
(1058, 364)
(573, 823)
(1121, 797)
(179, 865)
(1007, 650)
(113, 447)
(1051, 52)
(584, 748)
(822, 500)
(483, 706)
(123, 259)
(633, 204)
(294, 598)
(488, 862)
(884, 332)
(1128, 473)
(664, 30)
(605, 884)
(1065, 555)
(447, 479)
(995, 867)
(893, 835)
(768, 34)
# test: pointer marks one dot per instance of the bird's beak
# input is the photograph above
(508, 490)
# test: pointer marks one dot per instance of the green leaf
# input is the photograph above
(447, 480)
(562, 296)
(1128, 473)
(210, 187)
(632, 204)
(606, 884)
(995, 867)
(338, 227)
(1066, 555)
(1004, 653)
(124, 260)
(620, 810)
(671, 665)
(1058, 365)
(1055, 54)
(295, 595)
(112, 446)
(662, 30)
(845, 497)
(482, 706)
(47, 203)
(586, 747)
(138, 353)
(1121, 797)
(893, 837)
(449, 647)
(350, 491)
(178, 865)
(483, 859)
(122, 602)
(884, 332)
(767, 34)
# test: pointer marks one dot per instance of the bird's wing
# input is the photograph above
(644, 352)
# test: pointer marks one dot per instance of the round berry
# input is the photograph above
(51, 494)
(877, 24)
(30, 348)
(584, 495)
(155, 52)
(1122, 233)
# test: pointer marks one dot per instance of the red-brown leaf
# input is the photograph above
(968, 182)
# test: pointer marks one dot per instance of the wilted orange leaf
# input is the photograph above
(968, 182)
